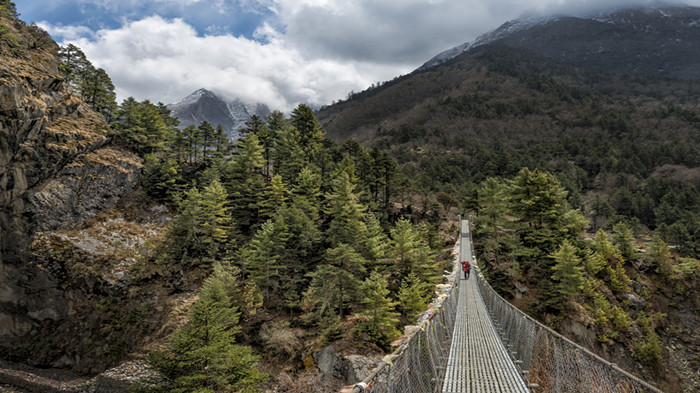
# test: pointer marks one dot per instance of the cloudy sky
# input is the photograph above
(279, 52)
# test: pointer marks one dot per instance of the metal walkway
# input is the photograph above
(478, 361)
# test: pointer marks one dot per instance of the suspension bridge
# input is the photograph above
(479, 343)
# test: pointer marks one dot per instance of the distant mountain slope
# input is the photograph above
(624, 144)
(203, 105)
(507, 93)
(650, 42)
(660, 41)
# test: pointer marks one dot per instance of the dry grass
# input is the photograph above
(123, 160)
(302, 382)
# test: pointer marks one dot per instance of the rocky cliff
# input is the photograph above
(60, 238)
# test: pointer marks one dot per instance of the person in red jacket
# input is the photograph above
(466, 266)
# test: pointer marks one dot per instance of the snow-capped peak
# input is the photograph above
(190, 99)
(504, 30)
(609, 16)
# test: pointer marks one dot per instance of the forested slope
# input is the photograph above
(583, 183)
(622, 145)
(214, 260)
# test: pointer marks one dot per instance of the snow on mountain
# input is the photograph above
(203, 105)
(189, 100)
(678, 15)
(504, 30)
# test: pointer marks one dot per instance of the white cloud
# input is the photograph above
(164, 60)
(69, 33)
(312, 51)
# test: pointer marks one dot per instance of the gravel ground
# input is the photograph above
(10, 389)
(16, 378)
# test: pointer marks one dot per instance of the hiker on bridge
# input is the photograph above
(466, 266)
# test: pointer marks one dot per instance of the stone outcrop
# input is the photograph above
(347, 369)
(58, 169)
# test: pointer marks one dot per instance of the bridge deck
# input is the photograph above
(478, 361)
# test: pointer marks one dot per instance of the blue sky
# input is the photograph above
(207, 17)
(278, 52)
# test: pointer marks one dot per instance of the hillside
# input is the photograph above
(624, 145)
(288, 262)
(661, 41)
(131, 243)
(493, 111)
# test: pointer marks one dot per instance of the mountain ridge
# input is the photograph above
(619, 40)
(204, 105)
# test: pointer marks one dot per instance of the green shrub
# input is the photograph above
(11, 39)
(649, 351)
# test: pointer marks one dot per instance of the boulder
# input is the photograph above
(348, 369)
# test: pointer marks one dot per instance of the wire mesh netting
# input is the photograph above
(419, 364)
(549, 362)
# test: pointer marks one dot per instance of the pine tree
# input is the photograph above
(287, 155)
(207, 136)
(618, 280)
(193, 143)
(203, 356)
(246, 184)
(310, 133)
(275, 197)
(412, 297)
(494, 229)
(410, 254)
(659, 256)
(378, 306)
(346, 213)
(299, 239)
(376, 244)
(74, 65)
(97, 91)
(222, 146)
(143, 127)
(595, 262)
(8, 9)
(162, 179)
(253, 126)
(567, 272)
(93, 84)
(335, 284)
(202, 228)
(386, 173)
(603, 246)
(539, 202)
(262, 259)
(306, 192)
(266, 138)
(215, 221)
(622, 235)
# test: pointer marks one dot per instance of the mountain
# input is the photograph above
(661, 41)
(203, 105)
(608, 104)
(648, 42)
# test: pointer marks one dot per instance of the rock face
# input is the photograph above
(347, 369)
(57, 170)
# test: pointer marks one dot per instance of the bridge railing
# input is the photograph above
(549, 361)
(418, 364)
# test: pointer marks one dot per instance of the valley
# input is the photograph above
(211, 244)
